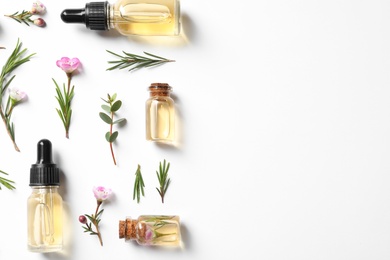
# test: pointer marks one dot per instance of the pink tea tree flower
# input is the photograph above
(101, 194)
(26, 17)
(65, 95)
(68, 65)
(38, 8)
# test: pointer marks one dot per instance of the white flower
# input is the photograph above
(16, 95)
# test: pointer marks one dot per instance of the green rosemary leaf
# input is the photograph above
(134, 62)
(162, 176)
(138, 185)
(6, 182)
(155, 56)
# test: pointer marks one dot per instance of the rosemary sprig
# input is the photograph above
(64, 98)
(108, 117)
(133, 61)
(138, 185)
(163, 179)
(6, 182)
(16, 59)
(23, 17)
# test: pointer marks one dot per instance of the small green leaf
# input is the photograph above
(105, 118)
(115, 107)
(113, 137)
(108, 135)
(106, 108)
(113, 97)
(119, 121)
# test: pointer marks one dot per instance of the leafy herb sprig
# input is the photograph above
(138, 185)
(108, 117)
(133, 61)
(101, 194)
(22, 17)
(163, 179)
(26, 16)
(16, 59)
(6, 182)
(65, 95)
(64, 98)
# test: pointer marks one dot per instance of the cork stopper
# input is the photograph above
(127, 229)
(160, 89)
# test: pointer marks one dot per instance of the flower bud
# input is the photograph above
(82, 219)
(39, 22)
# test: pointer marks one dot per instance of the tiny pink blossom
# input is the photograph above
(101, 193)
(148, 235)
(38, 8)
(16, 95)
(68, 65)
(40, 22)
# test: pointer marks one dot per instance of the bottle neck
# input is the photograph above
(160, 90)
(128, 229)
(45, 189)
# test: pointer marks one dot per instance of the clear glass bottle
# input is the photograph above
(151, 230)
(160, 114)
(44, 205)
(129, 17)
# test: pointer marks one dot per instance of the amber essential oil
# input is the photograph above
(44, 205)
(160, 114)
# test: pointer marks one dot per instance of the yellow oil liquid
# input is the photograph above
(160, 119)
(149, 17)
(44, 220)
(159, 230)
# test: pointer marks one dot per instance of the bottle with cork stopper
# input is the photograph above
(151, 230)
(160, 114)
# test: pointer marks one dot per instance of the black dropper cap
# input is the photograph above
(94, 15)
(44, 172)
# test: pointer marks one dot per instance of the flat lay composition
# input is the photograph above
(167, 129)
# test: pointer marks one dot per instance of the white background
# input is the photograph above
(283, 111)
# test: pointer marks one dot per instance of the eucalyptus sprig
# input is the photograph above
(163, 179)
(6, 182)
(133, 61)
(108, 117)
(17, 58)
(138, 185)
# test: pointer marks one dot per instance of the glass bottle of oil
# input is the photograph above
(151, 230)
(160, 114)
(129, 17)
(44, 205)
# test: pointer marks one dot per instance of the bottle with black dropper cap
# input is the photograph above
(129, 17)
(44, 205)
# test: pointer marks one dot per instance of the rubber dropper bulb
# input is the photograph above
(44, 152)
